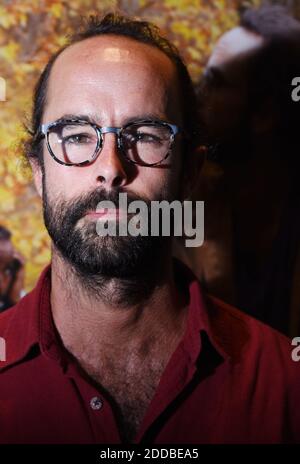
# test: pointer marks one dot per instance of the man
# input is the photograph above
(251, 254)
(11, 271)
(116, 344)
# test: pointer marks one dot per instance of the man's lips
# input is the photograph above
(107, 214)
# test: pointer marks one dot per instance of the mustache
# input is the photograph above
(78, 207)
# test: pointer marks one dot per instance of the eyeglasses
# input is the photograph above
(75, 142)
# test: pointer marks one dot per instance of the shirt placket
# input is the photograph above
(97, 409)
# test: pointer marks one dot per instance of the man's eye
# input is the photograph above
(146, 137)
(77, 139)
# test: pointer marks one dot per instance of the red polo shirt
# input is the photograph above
(230, 380)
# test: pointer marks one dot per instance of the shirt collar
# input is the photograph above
(30, 323)
(203, 317)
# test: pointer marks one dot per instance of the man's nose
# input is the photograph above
(111, 169)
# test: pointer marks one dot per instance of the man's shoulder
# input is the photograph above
(16, 326)
(20, 324)
(246, 338)
(229, 317)
(234, 332)
(29, 302)
(15, 312)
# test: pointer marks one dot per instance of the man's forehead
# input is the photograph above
(237, 42)
(112, 49)
(114, 74)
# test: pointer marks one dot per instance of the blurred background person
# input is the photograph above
(11, 271)
(251, 186)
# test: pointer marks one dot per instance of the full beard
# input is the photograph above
(119, 270)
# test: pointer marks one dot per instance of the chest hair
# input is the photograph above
(130, 382)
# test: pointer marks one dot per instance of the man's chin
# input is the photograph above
(110, 257)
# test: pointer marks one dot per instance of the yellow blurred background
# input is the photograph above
(30, 31)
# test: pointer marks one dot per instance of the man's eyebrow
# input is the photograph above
(96, 120)
(145, 117)
(82, 117)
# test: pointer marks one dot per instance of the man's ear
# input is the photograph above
(37, 175)
(193, 165)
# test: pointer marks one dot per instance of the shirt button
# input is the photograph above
(96, 403)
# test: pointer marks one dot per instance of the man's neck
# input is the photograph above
(89, 324)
